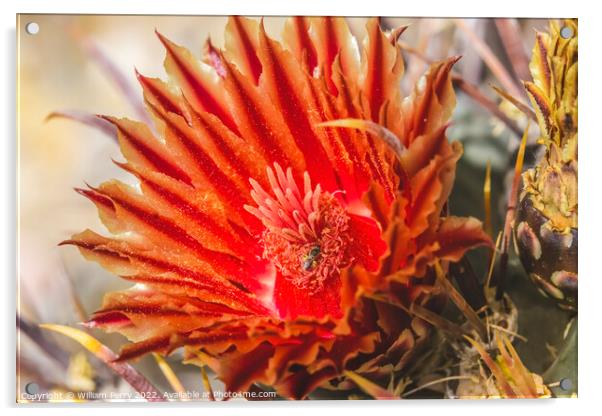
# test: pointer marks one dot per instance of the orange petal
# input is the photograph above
(333, 41)
(173, 273)
(456, 235)
(286, 84)
(260, 124)
(139, 145)
(199, 83)
(296, 36)
(241, 45)
(382, 70)
(158, 94)
(429, 106)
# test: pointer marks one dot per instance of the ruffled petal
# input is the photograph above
(456, 235)
(428, 107)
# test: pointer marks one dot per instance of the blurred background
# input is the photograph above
(63, 67)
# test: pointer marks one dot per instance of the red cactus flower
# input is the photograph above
(257, 231)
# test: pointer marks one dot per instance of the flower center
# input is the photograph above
(306, 235)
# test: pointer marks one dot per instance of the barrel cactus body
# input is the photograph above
(546, 229)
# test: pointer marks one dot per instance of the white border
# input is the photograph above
(514, 8)
(590, 344)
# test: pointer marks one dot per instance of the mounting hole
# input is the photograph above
(32, 388)
(32, 28)
(566, 32)
(566, 384)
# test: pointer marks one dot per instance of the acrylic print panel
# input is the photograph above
(233, 208)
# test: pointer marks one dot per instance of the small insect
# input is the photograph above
(310, 260)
